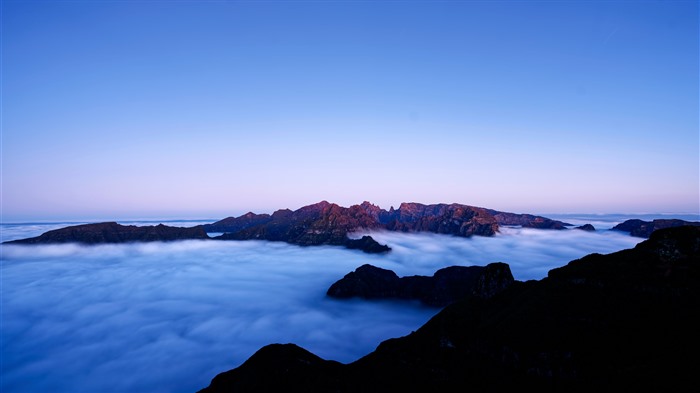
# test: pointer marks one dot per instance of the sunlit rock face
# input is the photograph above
(621, 321)
(454, 219)
(327, 223)
(320, 223)
(330, 224)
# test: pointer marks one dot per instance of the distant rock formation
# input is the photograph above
(235, 224)
(454, 219)
(586, 227)
(444, 287)
(644, 229)
(625, 321)
(527, 220)
(327, 223)
(111, 232)
(322, 223)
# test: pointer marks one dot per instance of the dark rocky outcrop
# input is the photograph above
(444, 287)
(280, 368)
(625, 321)
(111, 232)
(586, 227)
(366, 244)
(640, 228)
(367, 281)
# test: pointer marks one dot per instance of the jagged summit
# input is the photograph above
(304, 225)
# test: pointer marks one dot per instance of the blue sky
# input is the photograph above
(114, 109)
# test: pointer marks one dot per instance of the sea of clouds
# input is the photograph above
(167, 317)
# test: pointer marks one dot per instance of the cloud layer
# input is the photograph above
(167, 317)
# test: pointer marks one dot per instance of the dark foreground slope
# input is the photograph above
(111, 232)
(626, 321)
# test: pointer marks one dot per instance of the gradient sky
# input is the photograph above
(114, 109)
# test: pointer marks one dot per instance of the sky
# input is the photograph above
(206, 109)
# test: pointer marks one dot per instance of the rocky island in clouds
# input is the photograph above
(322, 223)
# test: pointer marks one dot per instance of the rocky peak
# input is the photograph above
(281, 213)
(319, 206)
(372, 210)
(314, 211)
(412, 208)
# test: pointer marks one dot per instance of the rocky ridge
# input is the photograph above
(322, 223)
(111, 232)
(328, 223)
